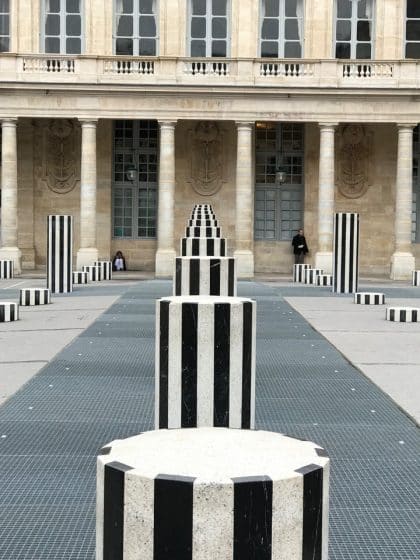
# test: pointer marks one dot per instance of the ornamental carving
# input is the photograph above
(354, 155)
(207, 160)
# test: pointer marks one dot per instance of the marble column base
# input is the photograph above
(324, 260)
(86, 257)
(402, 266)
(244, 263)
(13, 254)
(164, 263)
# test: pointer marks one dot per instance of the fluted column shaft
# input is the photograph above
(88, 186)
(9, 185)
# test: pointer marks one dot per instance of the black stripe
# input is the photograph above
(403, 316)
(178, 276)
(69, 286)
(357, 241)
(215, 265)
(13, 313)
(189, 365)
(196, 232)
(51, 253)
(222, 247)
(414, 316)
(376, 299)
(195, 243)
(351, 249)
(231, 278)
(194, 277)
(252, 518)
(173, 517)
(37, 297)
(221, 364)
(184, 247)
(344, 272)
(208, 232)
(113, 537)
(163, 363)
(210, 247)
(62, 249)
(312, 511)
(2, 313)
(246, 364)
(392, 315)
(27, 298)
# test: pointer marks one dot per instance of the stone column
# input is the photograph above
(244, 227)
(9, 195)
(323, 257)
(402, 261)
(165, 255)
(88, 252)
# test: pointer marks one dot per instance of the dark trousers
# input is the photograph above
(299, 258)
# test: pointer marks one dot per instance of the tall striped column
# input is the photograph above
(346, 253)
(211, 493)
(205, 362)
(205, 276)
(59, 254)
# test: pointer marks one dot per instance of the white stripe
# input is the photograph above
(174, 366)
(205, 365)
(185, 277)
(204, 277)
(253, 358)
(348, 284)
(235, 369)
(157, 362)
(287, 521)
(138, 517)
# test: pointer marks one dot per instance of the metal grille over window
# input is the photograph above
(135, 28)
(63, 26)
(135, 179)
(278, 207)
(353, 28)
(281, 28)
(4, 26)
(208, 28)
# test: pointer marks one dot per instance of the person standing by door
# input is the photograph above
(300, 247)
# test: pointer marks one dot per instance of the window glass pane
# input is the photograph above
(343, 31)
(4, 6)
(53, 6)
(363, 51)
(146, 7)
(219, 7)
(218, 48)
(271, 8)
(198, 27)
(292, 50)
(363, 31)
(412, 50)
(125, 26)
(52, 25)
(342, 50)
(270, 29)
(73, 46)
(199, 7)
(4, 25)
(344, 8)
(73, 26)
(147, 47)
(4, 44)
(269, 49)
(291, 8)
(291, 30)
(147, 26)
(52, 45)
(364, 9)
(124, 46)
(124, 6)
(72, 7)
(413, 31)
(219, 28)
(413, 8)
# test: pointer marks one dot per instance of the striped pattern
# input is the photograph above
(323, 280)
(299, 272)
(35, 296)
(311, 274)
(203, 247)
(203, 223)
(106, 269)
(369, 298)
(205, 276)
(403, 314)
(94, 272)
(203, 232)
(346, 253)
(59, 254)
(80, 277)
(9, 311)
(205, 362)
(6, 270)
(416, 277)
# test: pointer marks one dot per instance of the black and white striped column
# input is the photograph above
(34, 296)
(6, 269)
(369, 298)
(203, 231)
(203, 223)
(80, 277)
(205, 276)
(9, 311)
(106, 269)
(323, 280)
(205, 362)
(311, 274)
(203, 247)
(416, 277)
(403, 314)
(211, 493)
(346, 253)
(94, 272)
(59, 254)
(299, 272)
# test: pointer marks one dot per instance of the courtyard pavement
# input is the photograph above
(79, 373)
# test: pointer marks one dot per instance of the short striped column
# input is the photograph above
(80, 277)
(6, 270)
(403, 314)
(311, 274)
(203, 247)
(94, 272)
(106, 269)
(9, 311)
(210, 493)
(324, 280)
(369, 298)
(59, 254)
(346, 253)
(416, 277)
(203, 223)
(205, 362)
(34, 296)
(203, 231)
(205, 276)
(299, 272)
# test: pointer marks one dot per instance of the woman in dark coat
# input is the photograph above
(300, 247)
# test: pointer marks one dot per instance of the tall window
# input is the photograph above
(412, 29)
(415, 216)
(278, 208)
(134, 189)
(4, 26)
(62, 29)
(353, 28)
(281, 28)
(209, 28)
(135, 27)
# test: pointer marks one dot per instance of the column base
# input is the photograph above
(12, 254)
(402, 266)
(244, 264)
(324, 260)
(165, 263)
(86, 257)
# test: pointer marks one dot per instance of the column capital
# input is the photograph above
(406, 126)
(9, 121)
(327, 125)
(167, 123)
(245, 124)
(88, 122)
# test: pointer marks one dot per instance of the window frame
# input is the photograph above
(281, 41)
(9, 35)
(406, 19)
(62, 36)
(208, 38)
(353, 30)
(136, 31)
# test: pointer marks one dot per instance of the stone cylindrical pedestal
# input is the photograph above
(369, 298)
(34, 296)
(94, 272)
(346, 253)
(212, 493)
(403, 314)
(80, 277)
(203, 232)
(6, 269)
(416, 277)
(205, 276)
(311, 274)
(299, 272)
(205, 362)
(106, 269)
(59, 254)
(9, 311)
(323, 280)
(203, 247)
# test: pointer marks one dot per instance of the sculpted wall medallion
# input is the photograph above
(207, 161)
(353, 165)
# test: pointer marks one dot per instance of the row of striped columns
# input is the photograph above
(6, 269)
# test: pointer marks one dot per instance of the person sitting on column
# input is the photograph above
(118, 262)
(300, 247)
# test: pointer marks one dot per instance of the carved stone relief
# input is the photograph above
(354, 160)
(207, 159)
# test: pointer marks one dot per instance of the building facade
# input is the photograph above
(125, 113)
